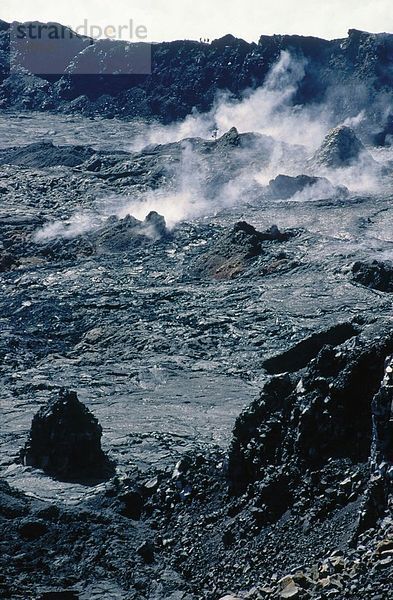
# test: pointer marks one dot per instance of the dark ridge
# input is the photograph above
(188, 74)
(299, 355)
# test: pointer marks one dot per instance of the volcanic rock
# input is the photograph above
(111, 57)
(322, 414)
(380, 487)
(385, 136)
(65, 440)
(231, 138)
(146, 551)
(234, 250)
(115, 236)
(284, 187)
(382, 411)
(187, 74)
(341, 148)
(25, 91)
(376, 275)
(122, 235)
(7, 261)
(132, 502)
(32, 529)
(12, 504)
(299, 355)
(45, 154)
(64, 595)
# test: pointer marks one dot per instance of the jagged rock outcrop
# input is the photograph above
(122, 235)
(376, 275)
(231, 138)
(65, 440)
(113, 236)
(379, 492)
(324, 416)
(382, 411)
(301, 353)
(284, 187)
(230, 254)
(341, 148)
(188, 74)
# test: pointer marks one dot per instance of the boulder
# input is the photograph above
(231, 253)
(376, 275)
(65, 441)
(284, 187)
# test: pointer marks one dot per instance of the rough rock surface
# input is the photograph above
(7, 261)
(122, 235)
(301, 506)
(341, 148)
(376, 275)
(299, 356)
(65, 440)
(167, 360)
(45, 154)
(311, 419)
(230, 254)
(188, 74)
(284, 187)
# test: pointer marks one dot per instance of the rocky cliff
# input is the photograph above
(189, 74)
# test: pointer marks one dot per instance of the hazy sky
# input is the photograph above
(179, 19)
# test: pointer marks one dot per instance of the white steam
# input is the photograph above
(268, 110)
(78, 224)
(296, 132)
(186, 202)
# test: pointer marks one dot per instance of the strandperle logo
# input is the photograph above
(53, 31)
(87, 49)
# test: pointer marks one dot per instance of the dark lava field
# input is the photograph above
(220, 301)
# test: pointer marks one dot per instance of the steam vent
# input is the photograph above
(65, 440)
(340, 148)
